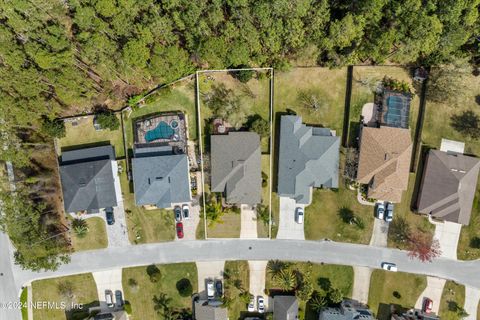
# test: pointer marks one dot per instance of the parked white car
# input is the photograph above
(389, 216)
(186, 211)
(299, 215)
(251, 304)
(380, 211)
(389, 266)
(261, 304)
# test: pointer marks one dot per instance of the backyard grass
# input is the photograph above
(323, 276)
(141, 296)
(453, 298)
(323, 216)
(262, 228)
(84, 292)
(227, 227)
(23, 300)
(145, 226)
(239, 271)
(438, 115)
(85, 135)
(326, 85)
(275, 214)
(177, 97)
(96, 237)
(397, 288)
(469, 242)
(417, 223)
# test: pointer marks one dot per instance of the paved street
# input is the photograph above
(287, 227)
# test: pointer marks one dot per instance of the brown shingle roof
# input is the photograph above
(384, 162)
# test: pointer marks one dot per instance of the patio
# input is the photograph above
(161, 130)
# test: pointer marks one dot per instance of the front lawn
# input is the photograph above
(140, 291)
(237, 281)
(84, 135)
(145, 226)
(23, 300)
(397, 288)
(453, 299)
(80, 289)
(469, 242)
(326, 216)
(96, 237)
(323, 278)
(227, 227)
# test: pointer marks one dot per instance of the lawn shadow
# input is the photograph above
(86, 145)
(424, 149)
(353, 134)
(324, 283)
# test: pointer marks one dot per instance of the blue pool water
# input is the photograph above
(162, 131)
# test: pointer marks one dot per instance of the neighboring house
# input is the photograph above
(285, 308)
(308, 158)
(384, 162)
(87, 179)
(236, 168)
(415, 314)
(160, 178)
(205, 311)
(348, 310)
(448, 186)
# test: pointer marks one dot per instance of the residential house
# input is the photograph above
(206, 311)
(415, 314)
(285, 308)
(236, 168)
(308, 158)
(160, 177)
(348, 310)
(384, 162)
(448, 186)
(87, 178)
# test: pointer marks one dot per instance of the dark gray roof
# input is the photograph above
(285, 308)
(348, 310)
(236, 167)
(203, 311)
(160, 180)
(87, 179)
(448, 186)
(308, 157)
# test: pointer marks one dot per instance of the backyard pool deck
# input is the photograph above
(177, 138)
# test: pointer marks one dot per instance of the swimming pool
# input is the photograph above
(162, 131)
(397, 111)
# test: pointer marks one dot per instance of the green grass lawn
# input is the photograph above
(467, 248)
(145, 226)
(23, 300)
(275, 214)
(82, 287)
(141, 297)
(326, 85)
(322, 217)
(85, 135)
(417, 222)
(227, 227)
(177, 97)
(96, 237)
(323, 276)
(262, 228)
(453, 297)
(384, 284)
(239, 271)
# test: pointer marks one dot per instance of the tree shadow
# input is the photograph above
(346, 214)
(324, 283)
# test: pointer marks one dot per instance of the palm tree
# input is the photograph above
(318, 302)
(274, 267)
(285, 280)
(161, 302)
(80, 227)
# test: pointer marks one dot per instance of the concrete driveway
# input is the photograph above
(447, 234)
(472, 296)
(380, 233)
(208, 270)
(248, 218)
(361, 283)
(108, 280)
(257, 279)
(433, 291)
(287, 227)
(190, 225)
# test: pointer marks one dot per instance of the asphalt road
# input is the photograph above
(243, 249)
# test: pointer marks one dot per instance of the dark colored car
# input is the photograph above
(109, 215)
(118, 298)
(428, 305)
(219, 287)
(178, 213)
(179, 230)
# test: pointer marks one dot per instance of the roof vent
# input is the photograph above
(462, 171)
(454, 170)
(82, 183)
(159, 178)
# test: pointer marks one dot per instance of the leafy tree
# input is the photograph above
(335, 295)
(260, 126)
(184, 287)
(423, 247)
(449, 83)
(107, 119)
(475, 242)
(399, 230)
(80, 227)
(347, 215)
(466, 123)
(226, 105)
(170, 63)
(54, 128)
(154, 273)
(243, 75)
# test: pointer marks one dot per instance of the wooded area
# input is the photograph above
(61, 58)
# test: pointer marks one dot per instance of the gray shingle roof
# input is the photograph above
(285, 308)
(203, 311)
(87, 179)
(236, 167)
(308, 157)
(448, 186)
(161, 179)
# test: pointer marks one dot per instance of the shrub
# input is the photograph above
(107, 120)
(80, 227)
(54, 128)
(154, 273)
(127, 307)
(184, 287)
(243, 75)
(133, 284)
